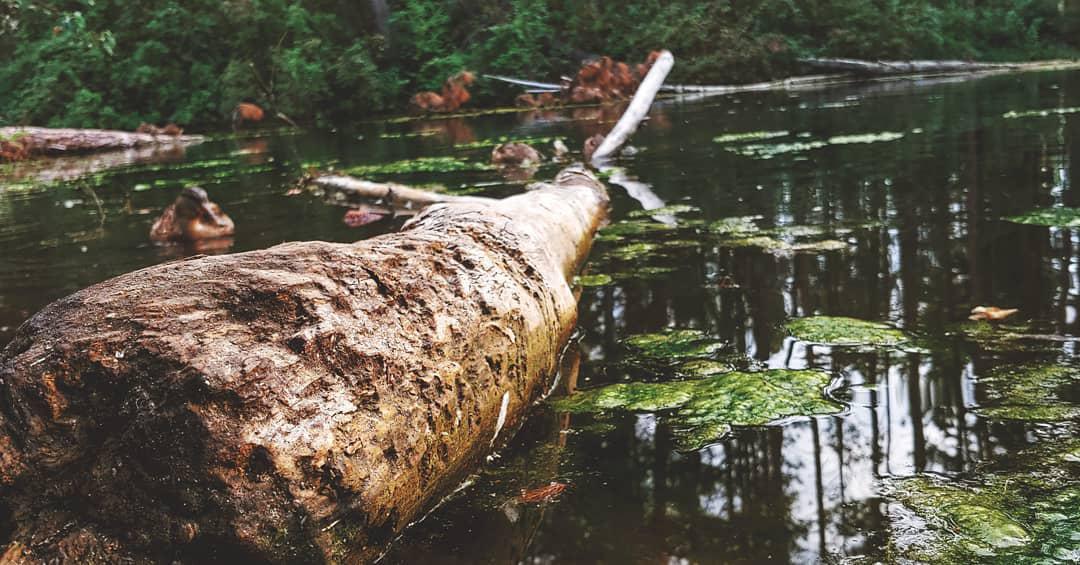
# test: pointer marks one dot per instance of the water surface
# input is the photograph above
(927, 242)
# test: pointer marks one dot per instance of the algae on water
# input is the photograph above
(1060, 217)
(1028, 513)
(673, 345)
(702, 411)
(748, 136)
(420, 165)
(1031, 392)
(843, 331)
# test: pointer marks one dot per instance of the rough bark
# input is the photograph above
(50, 141)
(638, 108)
(302, 403)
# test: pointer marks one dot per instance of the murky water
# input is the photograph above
(923, 241)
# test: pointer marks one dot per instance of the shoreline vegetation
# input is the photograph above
(107, 64)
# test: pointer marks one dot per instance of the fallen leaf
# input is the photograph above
(546, 493)
(361, 217)
(991, 313)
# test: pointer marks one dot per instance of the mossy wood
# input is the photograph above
(302, 403)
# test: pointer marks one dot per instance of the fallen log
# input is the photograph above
(880, 68)
(49, 141)
(302, 403)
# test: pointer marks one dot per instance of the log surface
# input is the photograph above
(302, 403)
(51, 141)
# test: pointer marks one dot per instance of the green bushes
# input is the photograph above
(109, 63)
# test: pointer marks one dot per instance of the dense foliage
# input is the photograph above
(111, 63)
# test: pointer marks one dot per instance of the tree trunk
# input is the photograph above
(879, 68)
(48, 141)
(302, 403)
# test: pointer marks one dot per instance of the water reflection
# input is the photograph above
(927, 245)
(933, 246)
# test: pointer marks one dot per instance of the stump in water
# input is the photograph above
(300, 403)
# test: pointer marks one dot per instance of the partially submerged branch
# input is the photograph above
(350, 190)
(637, 110)
(36, 141)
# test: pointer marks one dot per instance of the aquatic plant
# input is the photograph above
(1013, 114)
(492, 142)
(1060, 217)
(702, 411)
(671, 346)
(669, 210)
(843, 331)
(748, 136)
(1034, 392)
(1029, 513)
(587, 281)
(420, 165)
(768, 151)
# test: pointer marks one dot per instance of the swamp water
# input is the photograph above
(812, 270)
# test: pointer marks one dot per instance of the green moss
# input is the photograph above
(632, 228)
(593, 280)
(701, 411)
(1031, 392)
(738, 225)
(1026, 513)
(407, 135)
(632, 252)
(768, 151)
(673, 345)
(838, 330)
(670, 210)
(749, 136)
(865, 138)
(1054, 217)
(1006, 337)
(492, 142)
(1041, 113)
(421, 165)
(647, 272)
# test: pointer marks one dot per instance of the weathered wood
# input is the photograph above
(302, 403)
(877, 68)
(50, 141)
(351, 190)
(637, 110)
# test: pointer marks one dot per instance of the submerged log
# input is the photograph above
(50, 141)
(350, 190)
(302, 403)
(879, 68)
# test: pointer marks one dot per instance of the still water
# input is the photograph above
(929, 244)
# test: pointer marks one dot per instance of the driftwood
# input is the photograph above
(302, 403)
(349, 190)
(638, 108)
(49, 141)
(878, 68)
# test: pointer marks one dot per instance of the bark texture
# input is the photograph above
(302, 403)
(48, 141)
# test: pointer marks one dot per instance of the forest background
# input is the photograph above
(116, 63)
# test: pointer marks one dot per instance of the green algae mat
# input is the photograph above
(701, 411)
(1029, 513)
